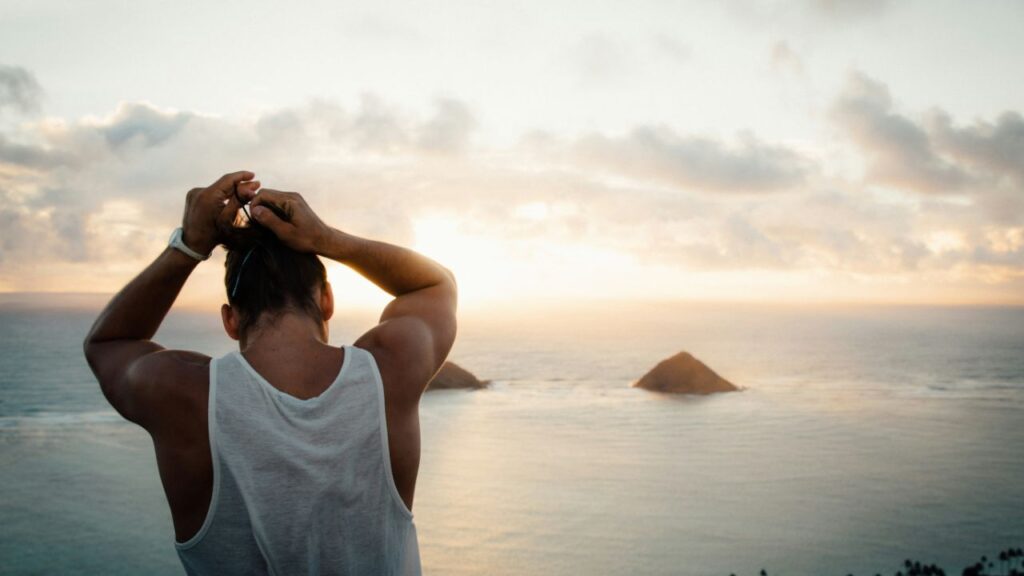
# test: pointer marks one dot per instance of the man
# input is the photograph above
(289, 455)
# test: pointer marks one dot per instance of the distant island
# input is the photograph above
(684, 374)
(451, 376)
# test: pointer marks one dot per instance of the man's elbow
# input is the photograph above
(89, 349)
(90, 345)
(450, 280)
(93, 355)
(96, 352)
(453, 289)
(449, 275)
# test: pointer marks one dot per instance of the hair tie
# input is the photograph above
(241, 269)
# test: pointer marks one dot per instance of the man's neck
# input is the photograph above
(288, 332)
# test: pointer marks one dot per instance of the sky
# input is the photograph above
(738, 150)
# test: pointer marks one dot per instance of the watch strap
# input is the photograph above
(178, 243)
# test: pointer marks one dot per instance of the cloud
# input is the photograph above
(58, 178)
(30, 156)
(995, 148)
(142, 124)
(784, 59)
(449, 129)
(19, 90)
(600, 59)
(375, 127)
(803, 13)
(849, 9)
(932, 155)
(101, 193)
(694, 162)
(900, 151)
(672, 48)
(810, 230)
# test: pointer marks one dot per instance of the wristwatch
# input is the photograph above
(176, 242)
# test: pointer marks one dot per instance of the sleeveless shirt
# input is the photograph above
(301, 486)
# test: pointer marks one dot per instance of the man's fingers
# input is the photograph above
(282, 202)
(231, 203)
(227, 182)
(229, 213)
(247, 190)
(266, 217)
(269, 196)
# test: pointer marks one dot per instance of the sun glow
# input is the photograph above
(483, 265)
(517, 269)
(486, 267)
(352, 291)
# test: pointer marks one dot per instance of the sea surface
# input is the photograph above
(864, 436)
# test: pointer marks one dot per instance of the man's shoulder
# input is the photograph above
(169, 366)
(171, 383)
(401, 352)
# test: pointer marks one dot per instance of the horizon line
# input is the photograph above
(90, 299)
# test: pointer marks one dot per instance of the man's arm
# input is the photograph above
(419, 325)
(417, 328)
(129, 366)
(119, 348)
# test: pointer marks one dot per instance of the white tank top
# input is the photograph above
(301, 486)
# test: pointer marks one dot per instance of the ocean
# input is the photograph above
(864, 435)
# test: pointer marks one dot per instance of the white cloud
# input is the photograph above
(95, 194)
(695, 162)
(899, 150)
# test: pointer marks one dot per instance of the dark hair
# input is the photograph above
(264, 276)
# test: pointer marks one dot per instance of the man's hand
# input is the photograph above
(300, 229)
(210, 210)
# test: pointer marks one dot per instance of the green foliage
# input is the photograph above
(1009, 562)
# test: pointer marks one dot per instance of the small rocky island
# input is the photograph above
(451, 376)
(684, 374)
